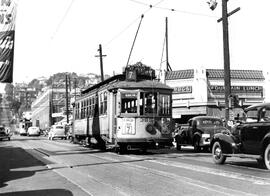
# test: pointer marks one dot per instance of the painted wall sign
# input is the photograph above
(238, 89)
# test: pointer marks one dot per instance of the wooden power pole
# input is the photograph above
(226, 55)
(101, 61)
(67, 102)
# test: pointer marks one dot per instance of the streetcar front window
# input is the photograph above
(150, 103)
(129, 103)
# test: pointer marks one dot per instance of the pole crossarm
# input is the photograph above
(230, 13)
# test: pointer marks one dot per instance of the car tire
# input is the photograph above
(217, 154)
(266, 157)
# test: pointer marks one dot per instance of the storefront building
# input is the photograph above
(47, 109)
(201, 92)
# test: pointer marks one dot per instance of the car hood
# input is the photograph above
(212, 129)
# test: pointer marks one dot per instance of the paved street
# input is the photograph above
(37, 166)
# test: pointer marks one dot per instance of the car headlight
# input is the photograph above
(205, 135)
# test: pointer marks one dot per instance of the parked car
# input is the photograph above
(250, 138)
(198, 132)
(22, 131)
(33, 131)
(57, 131)
(4, 133)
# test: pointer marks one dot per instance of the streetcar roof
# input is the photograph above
(144, 84)
(107, 81)
(119, 82)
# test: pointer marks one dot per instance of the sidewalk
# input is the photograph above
(23, 175)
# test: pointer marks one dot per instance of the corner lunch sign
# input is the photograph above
(238, 89)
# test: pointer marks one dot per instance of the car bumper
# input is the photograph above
(205, 141)
(4, 136)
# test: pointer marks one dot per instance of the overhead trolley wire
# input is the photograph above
(133, 21)
(172, 9)
(63, 19)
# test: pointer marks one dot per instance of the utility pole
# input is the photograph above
(226, 56)
(67, 102)
(101, 61)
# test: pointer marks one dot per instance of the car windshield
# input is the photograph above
(207, 122)
(251, 115)
(59, 127)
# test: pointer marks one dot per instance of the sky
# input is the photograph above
(54, 36)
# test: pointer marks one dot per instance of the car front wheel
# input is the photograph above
(217, 154)
(267, 157)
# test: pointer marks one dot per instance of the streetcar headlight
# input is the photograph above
(150, 129)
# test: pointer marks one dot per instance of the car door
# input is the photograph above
(252, 134)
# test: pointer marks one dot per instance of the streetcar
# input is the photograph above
(128, 111)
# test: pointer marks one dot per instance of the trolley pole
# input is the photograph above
(67, 102)
(168, 67)
(101, 61)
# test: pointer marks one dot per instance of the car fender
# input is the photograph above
(197, 134)
(265, 141)
(227, 142)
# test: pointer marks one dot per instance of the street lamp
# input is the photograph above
(212, 4)
(226, 52)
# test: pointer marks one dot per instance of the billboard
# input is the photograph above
(7, 35)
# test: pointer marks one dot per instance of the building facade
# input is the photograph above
(48, 107)
(25, 95)
(201, 92)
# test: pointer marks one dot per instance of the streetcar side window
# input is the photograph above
(105, 103)
(164, 104)
(88, 107)
(82, 109)
(101, 103)
(93, 106)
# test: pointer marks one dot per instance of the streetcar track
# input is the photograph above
(193, 182)
(161, 160)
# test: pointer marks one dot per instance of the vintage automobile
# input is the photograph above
(198, 132)
(57, 131)
(249, 139)
(33, 131)
(4, 133)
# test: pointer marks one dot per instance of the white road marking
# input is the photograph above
(197, 183)
(217, 172)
